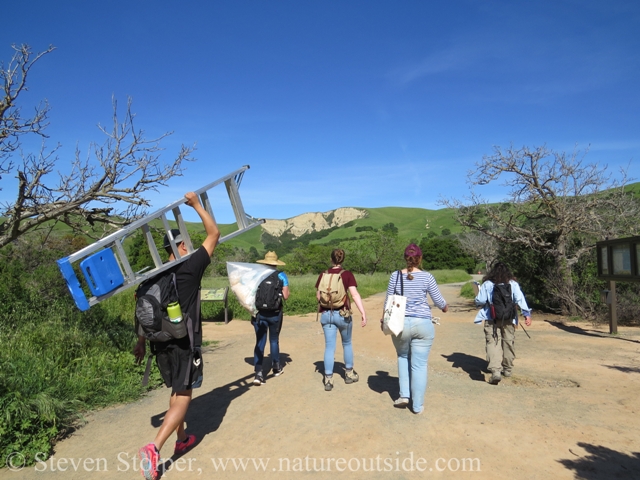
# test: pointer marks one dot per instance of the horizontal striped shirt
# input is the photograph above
(416, 291)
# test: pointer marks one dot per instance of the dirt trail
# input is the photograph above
(569, 411)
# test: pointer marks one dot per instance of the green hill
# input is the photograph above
(410, 222)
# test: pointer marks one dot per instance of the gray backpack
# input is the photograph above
(152, 299)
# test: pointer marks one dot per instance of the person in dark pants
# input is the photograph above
(269, 322)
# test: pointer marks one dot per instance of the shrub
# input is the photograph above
(56, 361)
(467, 291)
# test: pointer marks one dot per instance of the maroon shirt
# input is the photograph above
(347, 279)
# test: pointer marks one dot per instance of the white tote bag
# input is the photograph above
(394, 309)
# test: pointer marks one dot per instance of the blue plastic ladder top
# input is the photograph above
(102, 272)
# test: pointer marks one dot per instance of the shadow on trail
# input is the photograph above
(581, 331)
(623, 369)
(474, 366)
(382, 382)
(338, 368)
(267, 364)
(603, 463)
(206, 412)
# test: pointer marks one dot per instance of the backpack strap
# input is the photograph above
(147, 371)
(347, 302)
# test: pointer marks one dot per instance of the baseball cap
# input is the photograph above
(177, 237)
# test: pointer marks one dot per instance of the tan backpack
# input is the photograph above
(333, 295)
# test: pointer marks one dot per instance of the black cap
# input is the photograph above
(177, 237)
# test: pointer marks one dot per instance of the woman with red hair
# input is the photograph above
(414, 342)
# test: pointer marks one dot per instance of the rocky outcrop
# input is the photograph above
(313, 222)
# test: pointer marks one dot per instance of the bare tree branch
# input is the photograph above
(105, 189)
(12, 124)
(480, 245)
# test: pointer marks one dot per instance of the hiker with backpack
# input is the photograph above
(270, 297)
(179, 359)
(499, 294)
(332, 291)
(413, 343)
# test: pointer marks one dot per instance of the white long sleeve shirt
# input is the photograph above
(484, 298)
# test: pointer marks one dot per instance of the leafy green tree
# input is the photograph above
(390, 229)
(253, 255)
(374, 252)
(139, 254)
(445, 253)
(308, 259)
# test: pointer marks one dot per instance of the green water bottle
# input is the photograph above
(175, 314)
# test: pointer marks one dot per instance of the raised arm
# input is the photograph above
(210, 225)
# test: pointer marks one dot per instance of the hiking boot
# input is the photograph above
(182, 446)
(328, 383)
(259, 380)
(149, 457)
(350, 376)
(401, 402)
(495, 378)
(277, 370)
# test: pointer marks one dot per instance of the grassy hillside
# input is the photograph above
(411, 224)
(635, 188)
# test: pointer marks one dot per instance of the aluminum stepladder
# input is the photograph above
(105, 266)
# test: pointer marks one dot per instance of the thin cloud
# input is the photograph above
(451, 59)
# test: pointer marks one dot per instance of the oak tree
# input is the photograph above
(557, 204)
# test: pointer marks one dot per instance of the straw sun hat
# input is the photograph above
(271, 259)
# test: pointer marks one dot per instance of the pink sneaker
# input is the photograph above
(149, 457)
(182, 447)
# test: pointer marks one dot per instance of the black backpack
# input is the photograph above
(502, 307)
(269, 294)
(152, 319)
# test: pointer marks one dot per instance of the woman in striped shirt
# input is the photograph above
(414, 343)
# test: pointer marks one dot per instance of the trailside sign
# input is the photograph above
(619, 259)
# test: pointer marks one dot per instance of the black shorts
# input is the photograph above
(174, 362)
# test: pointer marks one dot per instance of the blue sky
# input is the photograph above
(339, 103)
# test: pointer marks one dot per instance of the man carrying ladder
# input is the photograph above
(175, 358)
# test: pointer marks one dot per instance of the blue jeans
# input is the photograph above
(266, 322)
(332, 322)
(413, 346)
